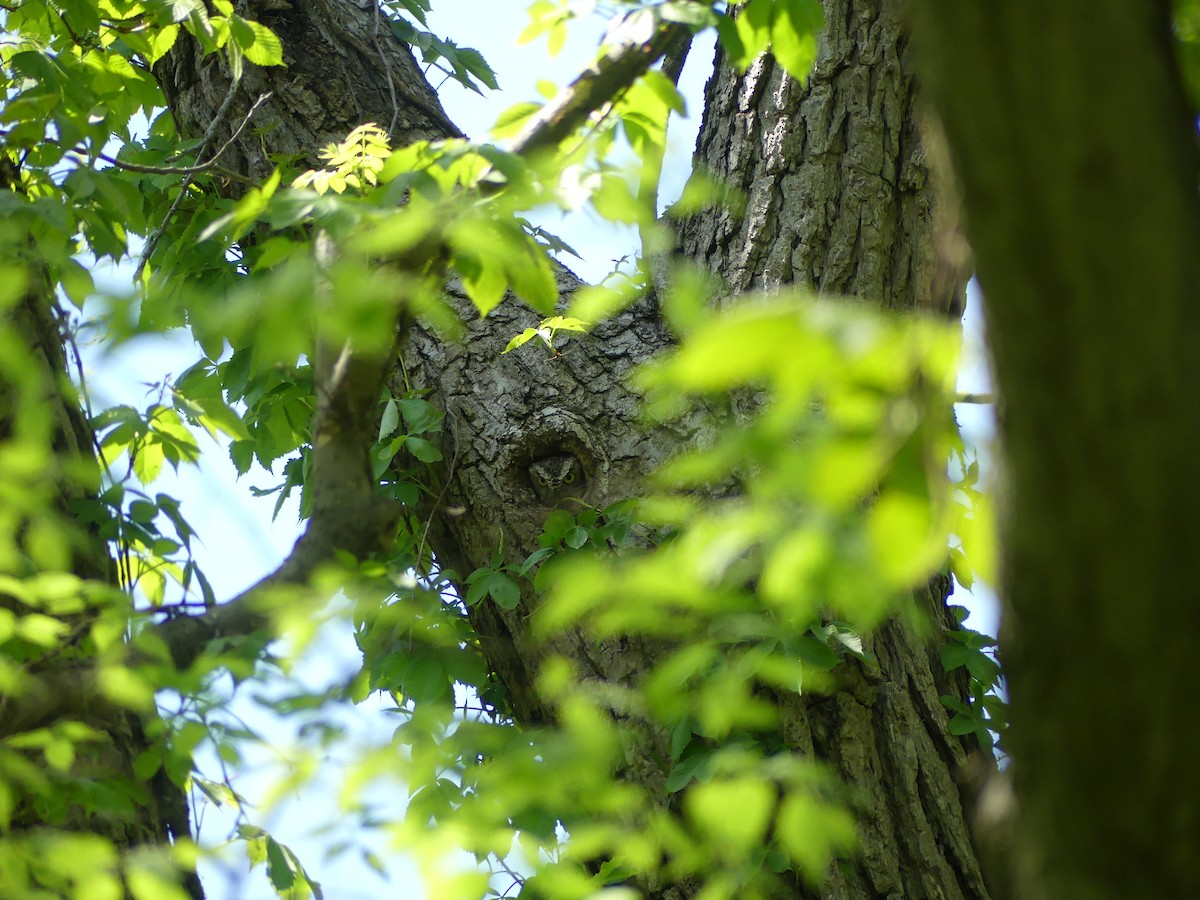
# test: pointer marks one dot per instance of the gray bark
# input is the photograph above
(840, 199)
(1079, 184)
(342, 68)
(834, 174)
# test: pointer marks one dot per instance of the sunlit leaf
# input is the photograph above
(709, 806)
(794, 31)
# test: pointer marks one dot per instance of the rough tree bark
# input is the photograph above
(840, 199)
(1080, 198)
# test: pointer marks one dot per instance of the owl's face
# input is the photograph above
(556, 477)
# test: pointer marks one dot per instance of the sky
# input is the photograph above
(241, 542)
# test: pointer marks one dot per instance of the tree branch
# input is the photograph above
(349, 514)
(597, 86)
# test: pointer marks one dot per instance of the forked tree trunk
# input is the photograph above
(841, 199)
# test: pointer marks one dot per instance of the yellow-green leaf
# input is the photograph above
(733, 814)
(160, 42)
(266, 48)
(794, 33)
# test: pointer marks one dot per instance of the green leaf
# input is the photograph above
(147, 763)
(148, 462)
(264, 48)
(421, 416)
(522, 338)
(473, 62)
(711, 806)
(565, 323)
(182, 9)
(681, 736)
(233, 50)
(82, 14)
(752, 28)
(416, 8)
(533, 559)
(530, 274)
(279, 866)
(815, 653)
(374, 862)
(424, 679)
(483, 277)
(423, 450)
(692, 766)
(814, 832)
(241, 453)
(961, 568)
(955, 705)
(499, 586)
(164, 547)
(954, 655)
(557, 39)
(177, 442)
(687, 12)
(76, 282)
(558, 523)
(41, 630)
(983, 668)
(794, 32)
(390, 419)
(143, 511)
(963, 725)
(161, 42)
(510, 122)
(218, 416)
(616, 201)
(60, 754)
(153, 583)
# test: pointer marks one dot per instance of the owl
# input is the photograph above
(557, 477)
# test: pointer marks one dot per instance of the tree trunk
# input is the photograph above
(1080, 196)
(840, 198)
(97, 793)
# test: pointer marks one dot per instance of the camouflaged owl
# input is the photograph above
(556, 478)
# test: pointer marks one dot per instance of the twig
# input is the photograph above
(975, 398)
(655, 264)
(209, 134)
(442, 493)
(383, 60)
(159, 170)
(124, 564)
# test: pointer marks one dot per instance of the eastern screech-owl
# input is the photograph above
(557, 477)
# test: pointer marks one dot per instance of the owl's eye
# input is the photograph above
(556, 477)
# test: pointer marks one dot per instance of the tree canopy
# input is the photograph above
(654, 574)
